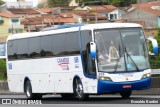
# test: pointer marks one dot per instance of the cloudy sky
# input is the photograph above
(35, 2)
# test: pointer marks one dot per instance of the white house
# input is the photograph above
(115, 14)
(20, 4)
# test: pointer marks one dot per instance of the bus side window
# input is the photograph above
(47, 47)
(59, 44)
(12, 49)
(73, 43)
(34, 47)
(22, 48)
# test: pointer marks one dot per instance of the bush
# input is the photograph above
(3, 71)
(155, 60)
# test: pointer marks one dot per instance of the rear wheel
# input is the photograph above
(78, 90)
(126, 94)
(28, 92)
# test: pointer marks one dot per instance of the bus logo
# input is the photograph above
(76, 60)
(10, 65)
(63, 63)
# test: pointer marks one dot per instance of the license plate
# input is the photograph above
(127, 86)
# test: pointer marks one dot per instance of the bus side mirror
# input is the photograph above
(93, 50)
(154, 45)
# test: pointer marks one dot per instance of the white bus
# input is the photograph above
(80, 61)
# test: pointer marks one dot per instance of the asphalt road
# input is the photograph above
(94, 101)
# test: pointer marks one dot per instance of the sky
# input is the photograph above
(35, 2)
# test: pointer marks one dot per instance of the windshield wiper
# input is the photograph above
(128, 55)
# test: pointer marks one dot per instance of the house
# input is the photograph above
(25, 13)
(38, 23)
(9, 23)
(89, 17)
(19, 5)
(150, 13)
(49, 11)
(115, 14)
(109, 11)
(65, 9)
(16, 5)
(103, 9)
(34, 24)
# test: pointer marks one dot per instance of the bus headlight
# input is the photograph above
(146, 75)
(105, 78)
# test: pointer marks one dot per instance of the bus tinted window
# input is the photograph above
(46, 46)
(59, 44)
(34, 47)
(22, 48)
(73, 43)
(12, 49)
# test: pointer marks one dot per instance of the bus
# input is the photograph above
(78, 61)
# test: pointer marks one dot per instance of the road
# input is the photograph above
(94, 101)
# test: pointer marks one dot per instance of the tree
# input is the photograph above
(3, 71)
(155, 60)
(56, 3)
(121, 3)
(104, 2)
(43, 4)
(1, 2)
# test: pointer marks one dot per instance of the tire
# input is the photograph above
(78, 90)
(126, 94)
(67, 95)
(28, 92)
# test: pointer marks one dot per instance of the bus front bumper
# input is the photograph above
(115, 87)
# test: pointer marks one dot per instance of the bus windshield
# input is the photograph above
(121, 49)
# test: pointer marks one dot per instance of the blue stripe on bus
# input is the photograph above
(114, 87)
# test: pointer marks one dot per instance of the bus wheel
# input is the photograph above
(126, 94)
(78, 90)
(28, 92)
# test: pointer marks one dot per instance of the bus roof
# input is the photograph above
(73, 29)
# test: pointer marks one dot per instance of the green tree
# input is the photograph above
(56, 3)
(155, 60)
(1, 2)
(104, 2)
(3, 72)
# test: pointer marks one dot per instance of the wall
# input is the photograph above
(4, 27)
(140, 15)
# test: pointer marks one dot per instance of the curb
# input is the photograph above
(4, 92)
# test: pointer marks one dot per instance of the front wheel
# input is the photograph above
(126, 94)
(78, 90)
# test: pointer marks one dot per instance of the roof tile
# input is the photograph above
(149, 7)
(8, 15)
(24, 11)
